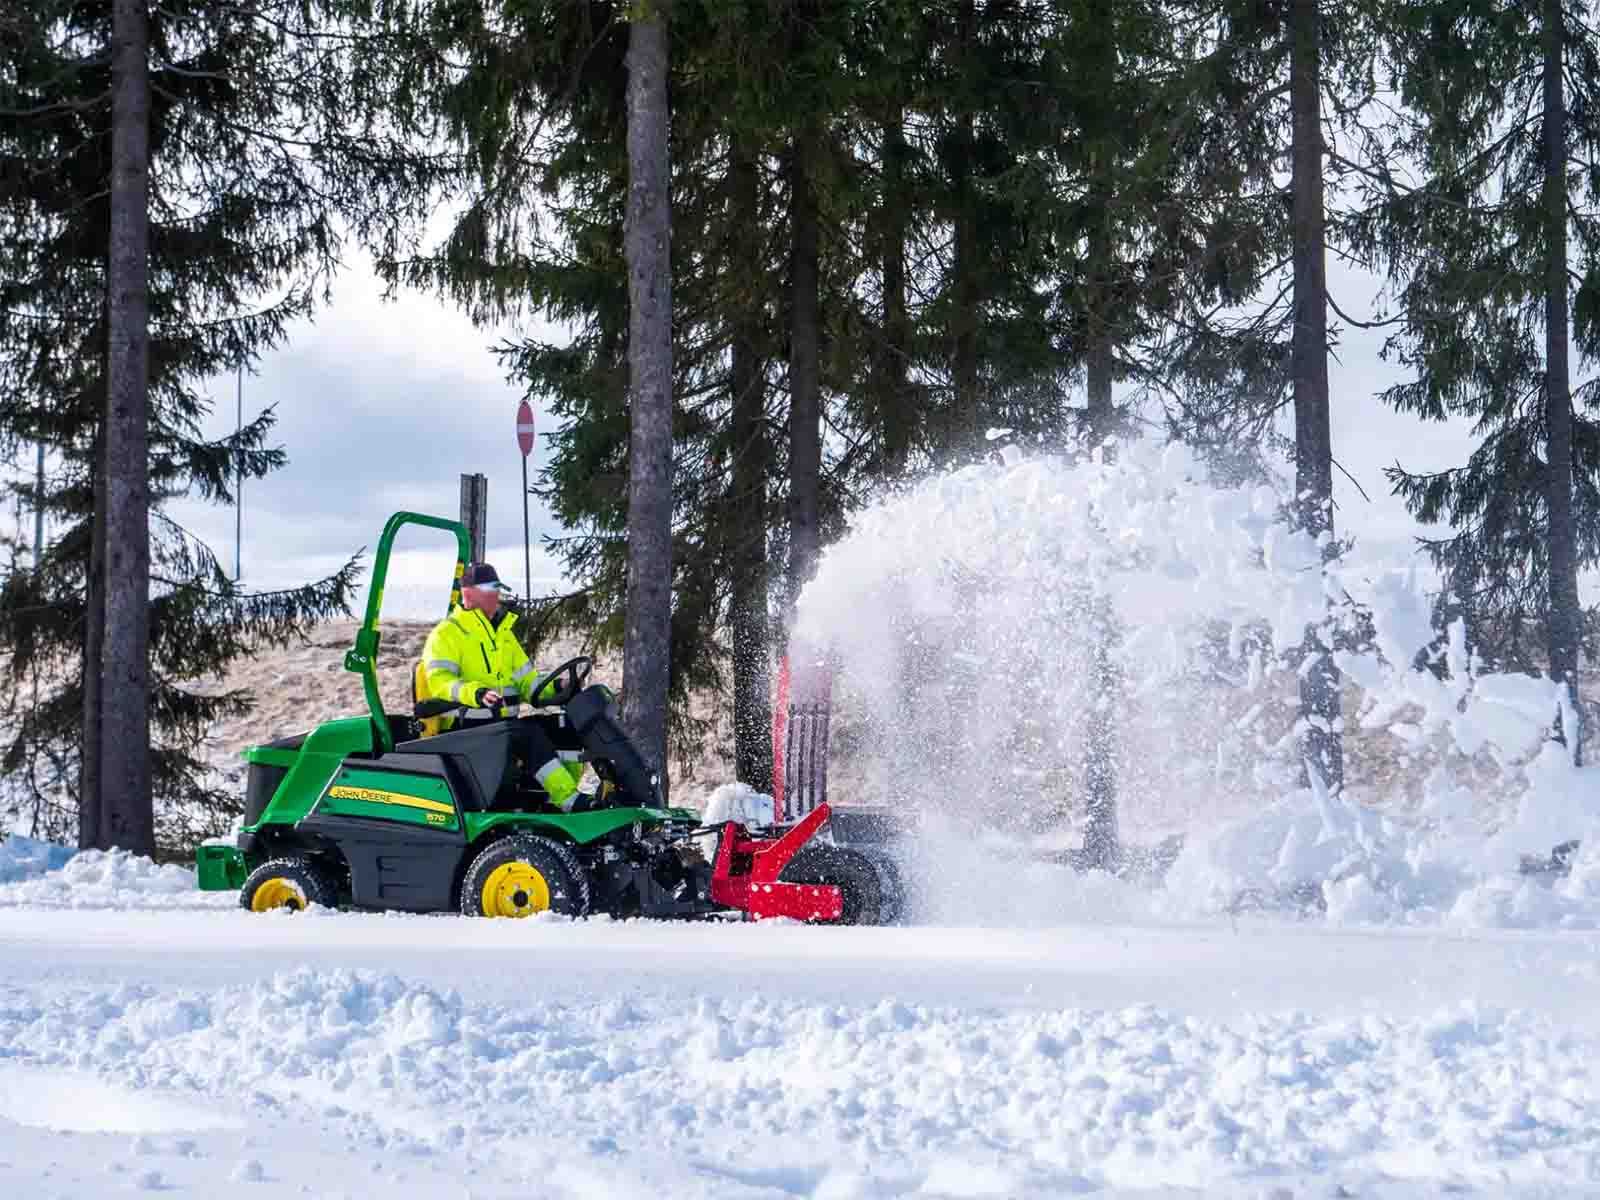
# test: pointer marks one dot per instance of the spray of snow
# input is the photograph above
(738, 802)
(964, 616)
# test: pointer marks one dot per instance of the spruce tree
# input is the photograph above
(535, 98)
(744, 516)
(1270, 82)
(809, 61)
(538, 108)
(1143, 218)
(994, 346)
(1322, 743)
(123, 812)
(867, 239)
(647, 624)
(1490, 243)
(259, 161)
(896, 41)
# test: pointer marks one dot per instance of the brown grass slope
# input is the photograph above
(305, 684)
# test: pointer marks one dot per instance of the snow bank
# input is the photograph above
(1438, 866)
(37, 875)
(853, 1098)
(24, 858)
(974, 617)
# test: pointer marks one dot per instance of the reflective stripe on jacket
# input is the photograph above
(467, 653)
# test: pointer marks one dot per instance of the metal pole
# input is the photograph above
(474, 507)
(527, 554)
(238, 494)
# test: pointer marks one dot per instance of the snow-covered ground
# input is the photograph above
(1433, 1030)
(158, 1038)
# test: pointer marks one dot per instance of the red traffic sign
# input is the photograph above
(525, 428)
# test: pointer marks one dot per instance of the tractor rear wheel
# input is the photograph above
(864, 889)
(292, 882)
(523, 875)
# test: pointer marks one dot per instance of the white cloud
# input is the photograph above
(381, 406)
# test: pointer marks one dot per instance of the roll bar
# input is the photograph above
(362, 658)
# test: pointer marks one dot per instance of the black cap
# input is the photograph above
(482, 575)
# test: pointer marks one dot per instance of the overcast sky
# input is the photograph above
(382, 405)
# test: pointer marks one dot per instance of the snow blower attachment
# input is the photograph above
(373, 812)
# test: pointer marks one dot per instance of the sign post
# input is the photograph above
(474, 511)
(525, 444)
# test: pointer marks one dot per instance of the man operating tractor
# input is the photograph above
(473, 659)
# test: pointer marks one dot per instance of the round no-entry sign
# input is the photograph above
(525, 428)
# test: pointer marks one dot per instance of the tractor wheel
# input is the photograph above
(853, 873)
(524, 874)
(291, 883)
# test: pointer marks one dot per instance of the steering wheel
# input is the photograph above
(573, 673)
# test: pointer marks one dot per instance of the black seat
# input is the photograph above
(483, 754)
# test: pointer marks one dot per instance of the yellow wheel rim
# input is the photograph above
(515, 890)
(278, 892)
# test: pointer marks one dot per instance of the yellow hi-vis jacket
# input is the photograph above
(467, 654)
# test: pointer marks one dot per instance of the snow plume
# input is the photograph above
(971, 620)
(738, 802)
(964, 615)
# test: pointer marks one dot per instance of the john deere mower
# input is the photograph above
(367, 812)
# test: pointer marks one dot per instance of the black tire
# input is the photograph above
(853, 873)
(892, 882)
(542, 861)
(290, 882)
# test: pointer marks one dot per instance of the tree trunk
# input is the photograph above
(90, 825)
(1100, 361)
(1566, 615)
(646, 646)
(1321, 742)
(968, 287)
(752, 639)
(1101, 414)
(896, 417)
(805, 382)
(1102, 841)
(126, 817)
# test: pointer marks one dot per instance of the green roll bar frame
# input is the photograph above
(362, 658)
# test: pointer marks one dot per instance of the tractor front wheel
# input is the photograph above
(291, 883)
(523, 875)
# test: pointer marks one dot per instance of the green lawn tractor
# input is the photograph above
(366, 812)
